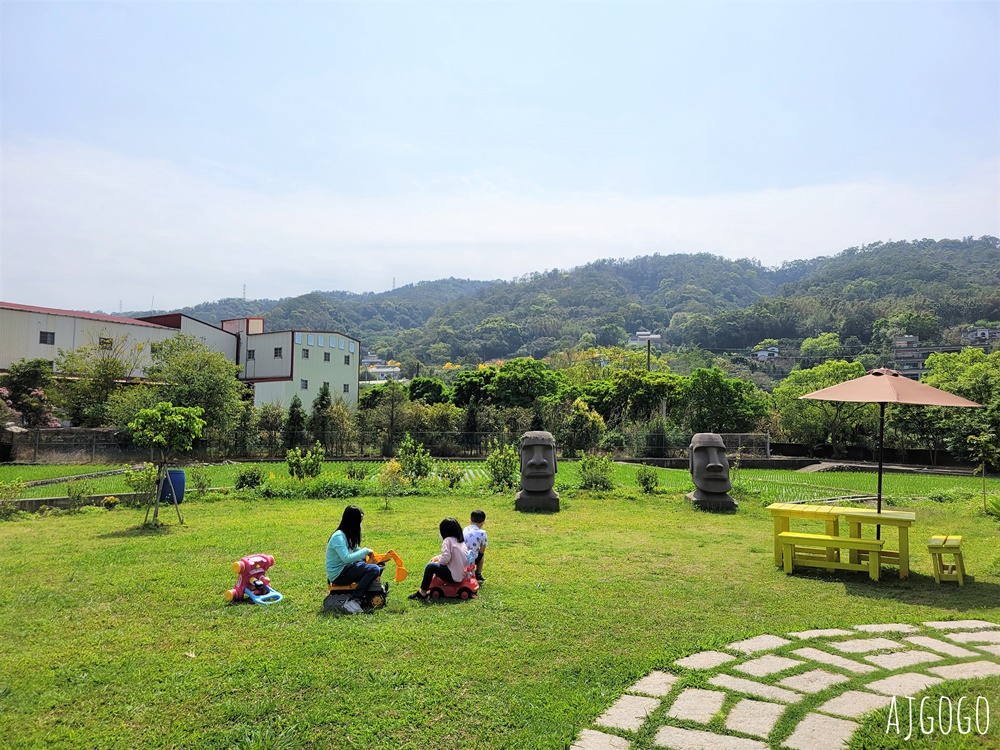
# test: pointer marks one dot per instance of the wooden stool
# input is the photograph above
(947, 545)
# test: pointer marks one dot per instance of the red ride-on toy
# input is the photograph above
(467, 588)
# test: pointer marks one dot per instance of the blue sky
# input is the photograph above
(168, 153)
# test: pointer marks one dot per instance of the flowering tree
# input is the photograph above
(24, 392)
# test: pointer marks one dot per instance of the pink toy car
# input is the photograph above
(467, 588)
(252, 582)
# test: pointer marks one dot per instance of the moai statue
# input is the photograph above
(710, 471)
(538, 473)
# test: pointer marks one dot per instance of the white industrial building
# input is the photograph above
(279, 365)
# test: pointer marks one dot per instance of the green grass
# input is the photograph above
(119, 637)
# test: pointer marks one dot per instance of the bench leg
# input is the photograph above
(904, 552)
(855, 531)
(789, 554)
(780, 524)
(832, 553)
(874, 564)
(936, 564)
(960, 568)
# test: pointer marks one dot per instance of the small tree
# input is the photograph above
(171, 429)
(294, 429)
(984, 449)
(390, 480)
(305, 465)
(502, 466)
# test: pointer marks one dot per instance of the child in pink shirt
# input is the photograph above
(449, 566)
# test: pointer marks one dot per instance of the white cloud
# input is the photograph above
(85, 228)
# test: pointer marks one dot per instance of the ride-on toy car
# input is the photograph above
(377, 594)
(467, 588)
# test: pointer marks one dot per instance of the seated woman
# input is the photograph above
(345, 559)
(450, 564)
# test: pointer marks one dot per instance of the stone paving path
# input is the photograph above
(892, 659)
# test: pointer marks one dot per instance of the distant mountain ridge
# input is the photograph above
(690, 299)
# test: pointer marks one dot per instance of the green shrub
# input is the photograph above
(450, 473)
(78, 493)
(951, 495)
(305, 465)
(648, 479)
(142, 481)
(8, 510)
(328, 486)
(613, 441)
(993, 507)
(110, 502)
(11, 490)
(283, 487)
(200, 479)
(503, 466)
(595, 472)
(249, 477)
(357, 471)
(414, 460)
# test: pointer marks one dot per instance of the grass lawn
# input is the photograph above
(119, 637)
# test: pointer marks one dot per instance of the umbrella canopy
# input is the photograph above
(884, 386)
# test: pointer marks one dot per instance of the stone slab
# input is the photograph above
(704, 660)
(754, 717)
(904, 685)
(655, 683)
(941, 647)
(820, 633)
(814, 681)
(993, 649)
(698, 705)
(816, 732)
(750, 687)
(902, 659)
(982, 636)
(967, 670)
(960, 624)
(833, 660)
(628, 712)
(866, 645)
(887, 628)
(855, 703)
(766, 665)
(758, 643)
(591, 740)
(676, 738)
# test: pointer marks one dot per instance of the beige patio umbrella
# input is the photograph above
(884, 386)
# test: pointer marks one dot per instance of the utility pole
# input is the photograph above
(648, 338)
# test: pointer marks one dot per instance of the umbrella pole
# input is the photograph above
(881, 446)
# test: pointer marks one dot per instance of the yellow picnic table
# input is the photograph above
(856, 519)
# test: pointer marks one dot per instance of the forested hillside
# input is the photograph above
(700, 300)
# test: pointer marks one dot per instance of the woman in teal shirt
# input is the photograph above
(345, 559)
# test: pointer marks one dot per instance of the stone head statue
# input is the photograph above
(538, 472)
(709, 467)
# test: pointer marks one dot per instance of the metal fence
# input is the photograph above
(77, 445)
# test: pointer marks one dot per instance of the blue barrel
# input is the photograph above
(166, 494)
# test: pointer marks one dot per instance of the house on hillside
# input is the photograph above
(770, 352)
(910, 358)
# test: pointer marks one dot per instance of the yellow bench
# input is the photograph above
(947, 545)
(823, 551)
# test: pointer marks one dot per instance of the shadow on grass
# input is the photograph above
(137, 531)
(917, 590)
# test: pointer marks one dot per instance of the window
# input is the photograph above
(321, 340)
(326, 356)
(105, 344)
(347, 359)
(311, 339)
(46, 337)
(351, 347)
(298, 338)
(251, 354)
(341, 343)
(277, 352)
(304, 385)
(305, 354)
(347, 388)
